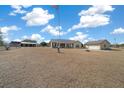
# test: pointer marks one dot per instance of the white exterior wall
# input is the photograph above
(105, 45)
(53, 44)
(94, 47)
(77, 44)
(67, 45)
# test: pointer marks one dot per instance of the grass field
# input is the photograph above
(44, 67)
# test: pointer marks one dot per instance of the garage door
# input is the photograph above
(94, 47)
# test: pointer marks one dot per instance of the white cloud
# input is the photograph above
(47, 41)
(36, 37)
(93, 17)
(18, 9)
(26, 6)
(96, 9)
(38, 17)
(6, 40)
(6, 29)
(54, 30)
(118, 31)
(81, 37)
(121, 42)
(18, 40)
(25, 37)
(92, 21)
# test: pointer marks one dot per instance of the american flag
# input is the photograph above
(55, 6)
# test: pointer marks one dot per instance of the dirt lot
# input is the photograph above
(44, 67)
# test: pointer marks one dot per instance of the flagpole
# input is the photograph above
(115, 42)
(58, 22)
(58, 28)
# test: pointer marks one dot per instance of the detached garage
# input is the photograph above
(98, 45)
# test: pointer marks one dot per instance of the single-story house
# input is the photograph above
(24, 43)
(63, 43)
(15, 44)
(98, 45)
(29, 43)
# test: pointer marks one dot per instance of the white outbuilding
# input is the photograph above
(98, 45)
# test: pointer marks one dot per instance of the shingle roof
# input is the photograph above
(96, 42)
(30, 41)
(62, 41)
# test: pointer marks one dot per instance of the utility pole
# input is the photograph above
(115, 42)
(58, 17)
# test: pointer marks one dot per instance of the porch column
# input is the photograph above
(51, 44)
(72, 45)
(65, 45)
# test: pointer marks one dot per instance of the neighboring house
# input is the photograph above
(98, 45)
(29, 43)
(62, 43)
(24, 43)
(15, 44)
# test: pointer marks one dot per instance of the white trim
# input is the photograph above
(28, 43)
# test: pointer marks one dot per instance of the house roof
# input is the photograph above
(97, 42)
(15, 42)
(62, 41)
(28, 43)
(29, 40)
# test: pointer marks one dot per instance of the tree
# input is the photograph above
(43, 44)
(1, 39)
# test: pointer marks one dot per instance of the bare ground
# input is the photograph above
(44, 67)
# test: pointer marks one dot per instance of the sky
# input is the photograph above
(75, 22)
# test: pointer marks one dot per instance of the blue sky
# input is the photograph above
(83, 23)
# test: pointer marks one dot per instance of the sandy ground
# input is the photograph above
(44, 67)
